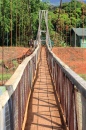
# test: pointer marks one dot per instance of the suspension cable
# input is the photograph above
(16, 21)
(11, 20)
(2, 39)
(70, 23)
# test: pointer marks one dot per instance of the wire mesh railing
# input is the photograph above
(71, 91)
(14, 100)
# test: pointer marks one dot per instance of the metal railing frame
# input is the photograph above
(14, 101)
(71, 91)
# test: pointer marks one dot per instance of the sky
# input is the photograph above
(56, 2)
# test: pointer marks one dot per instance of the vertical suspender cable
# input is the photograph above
(18, 24)
(11, 33)
(19, 30)
(83, 23)
(16, 21)
(11, 20)
(83, 33)
(70, 23)
(28, 22)
(22, 24)
(24, 34)
(16, 29)
(59, 18)
(63, 29)
(2, 39)
(75, 23)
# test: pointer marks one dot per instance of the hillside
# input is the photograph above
(75, 58)
(12, 57)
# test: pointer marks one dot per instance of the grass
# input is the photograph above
(15, 63)
(5, 76)
(2, 89)
(83, 76)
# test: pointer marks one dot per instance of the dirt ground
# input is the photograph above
(9, 53)
(75, 58)
(10, 58)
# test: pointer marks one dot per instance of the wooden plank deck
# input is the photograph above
(43, 113)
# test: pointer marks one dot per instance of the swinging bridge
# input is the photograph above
(43, 93)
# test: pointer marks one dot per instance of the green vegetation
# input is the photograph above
(83, 76)
(5, 76)
(19, 20)
(2, 89)
(69, 15)
(15, 63)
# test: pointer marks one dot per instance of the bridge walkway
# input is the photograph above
(43, 113)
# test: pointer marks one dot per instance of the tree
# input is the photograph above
(72, 14)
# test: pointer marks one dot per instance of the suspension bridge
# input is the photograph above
(43, 93)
